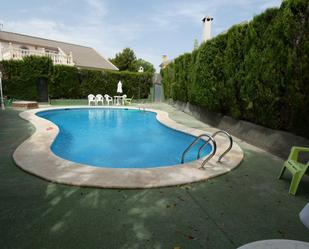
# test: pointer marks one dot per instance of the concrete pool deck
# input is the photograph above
(35, 156)
(245, 205)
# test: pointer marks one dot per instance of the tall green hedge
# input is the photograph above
(134, 84)
(65, 83)
(20, 78)
(257, 71)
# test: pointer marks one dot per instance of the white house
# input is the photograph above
(16, 46)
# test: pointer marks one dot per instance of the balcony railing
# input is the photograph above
(18, 54)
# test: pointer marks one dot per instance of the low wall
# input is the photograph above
(274, 141)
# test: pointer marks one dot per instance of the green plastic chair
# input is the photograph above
(297, 168)
(8, 102)
(128, 101)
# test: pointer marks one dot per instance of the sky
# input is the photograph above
(151, 28)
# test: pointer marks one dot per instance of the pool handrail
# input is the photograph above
(213, 136)
(214, 148)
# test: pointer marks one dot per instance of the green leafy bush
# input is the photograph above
(134, 84)
(168, 78)
(65, 83)
(20, 78)
(257, 71)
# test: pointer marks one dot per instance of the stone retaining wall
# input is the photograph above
(274, 141)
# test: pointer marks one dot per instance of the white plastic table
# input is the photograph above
(276, 244)
(117, 99)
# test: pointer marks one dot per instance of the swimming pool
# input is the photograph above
(118, 138)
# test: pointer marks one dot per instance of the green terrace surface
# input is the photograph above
(245, 205)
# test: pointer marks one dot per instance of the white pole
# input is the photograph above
(1, 92)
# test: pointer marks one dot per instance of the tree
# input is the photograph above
(195, 46)
(148, 67)
(125, 60)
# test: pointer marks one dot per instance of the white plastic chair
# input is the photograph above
(91, 99)
(99, 98)
(108, 99)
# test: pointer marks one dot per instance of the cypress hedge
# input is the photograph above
(134, 84)
(20, 78)
(256, 71)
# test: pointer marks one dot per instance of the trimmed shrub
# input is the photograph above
(65, 83)
(134, 84)
(168, 78)
(257, 71)
(20, 78)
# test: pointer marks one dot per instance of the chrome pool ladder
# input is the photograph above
(212, 139)
(213, 136)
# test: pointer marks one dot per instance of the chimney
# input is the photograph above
(165, 62)
(164, 59)
(207, 20)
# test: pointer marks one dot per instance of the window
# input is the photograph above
(24, 47)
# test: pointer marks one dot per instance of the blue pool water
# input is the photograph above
(118, 138)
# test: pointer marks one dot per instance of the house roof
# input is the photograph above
(82, 56)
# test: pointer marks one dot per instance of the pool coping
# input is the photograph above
(34, 155)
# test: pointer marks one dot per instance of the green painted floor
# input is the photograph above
(245, 205)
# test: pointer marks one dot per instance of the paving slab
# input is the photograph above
(245, 205)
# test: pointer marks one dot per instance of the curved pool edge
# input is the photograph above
(34, 155)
